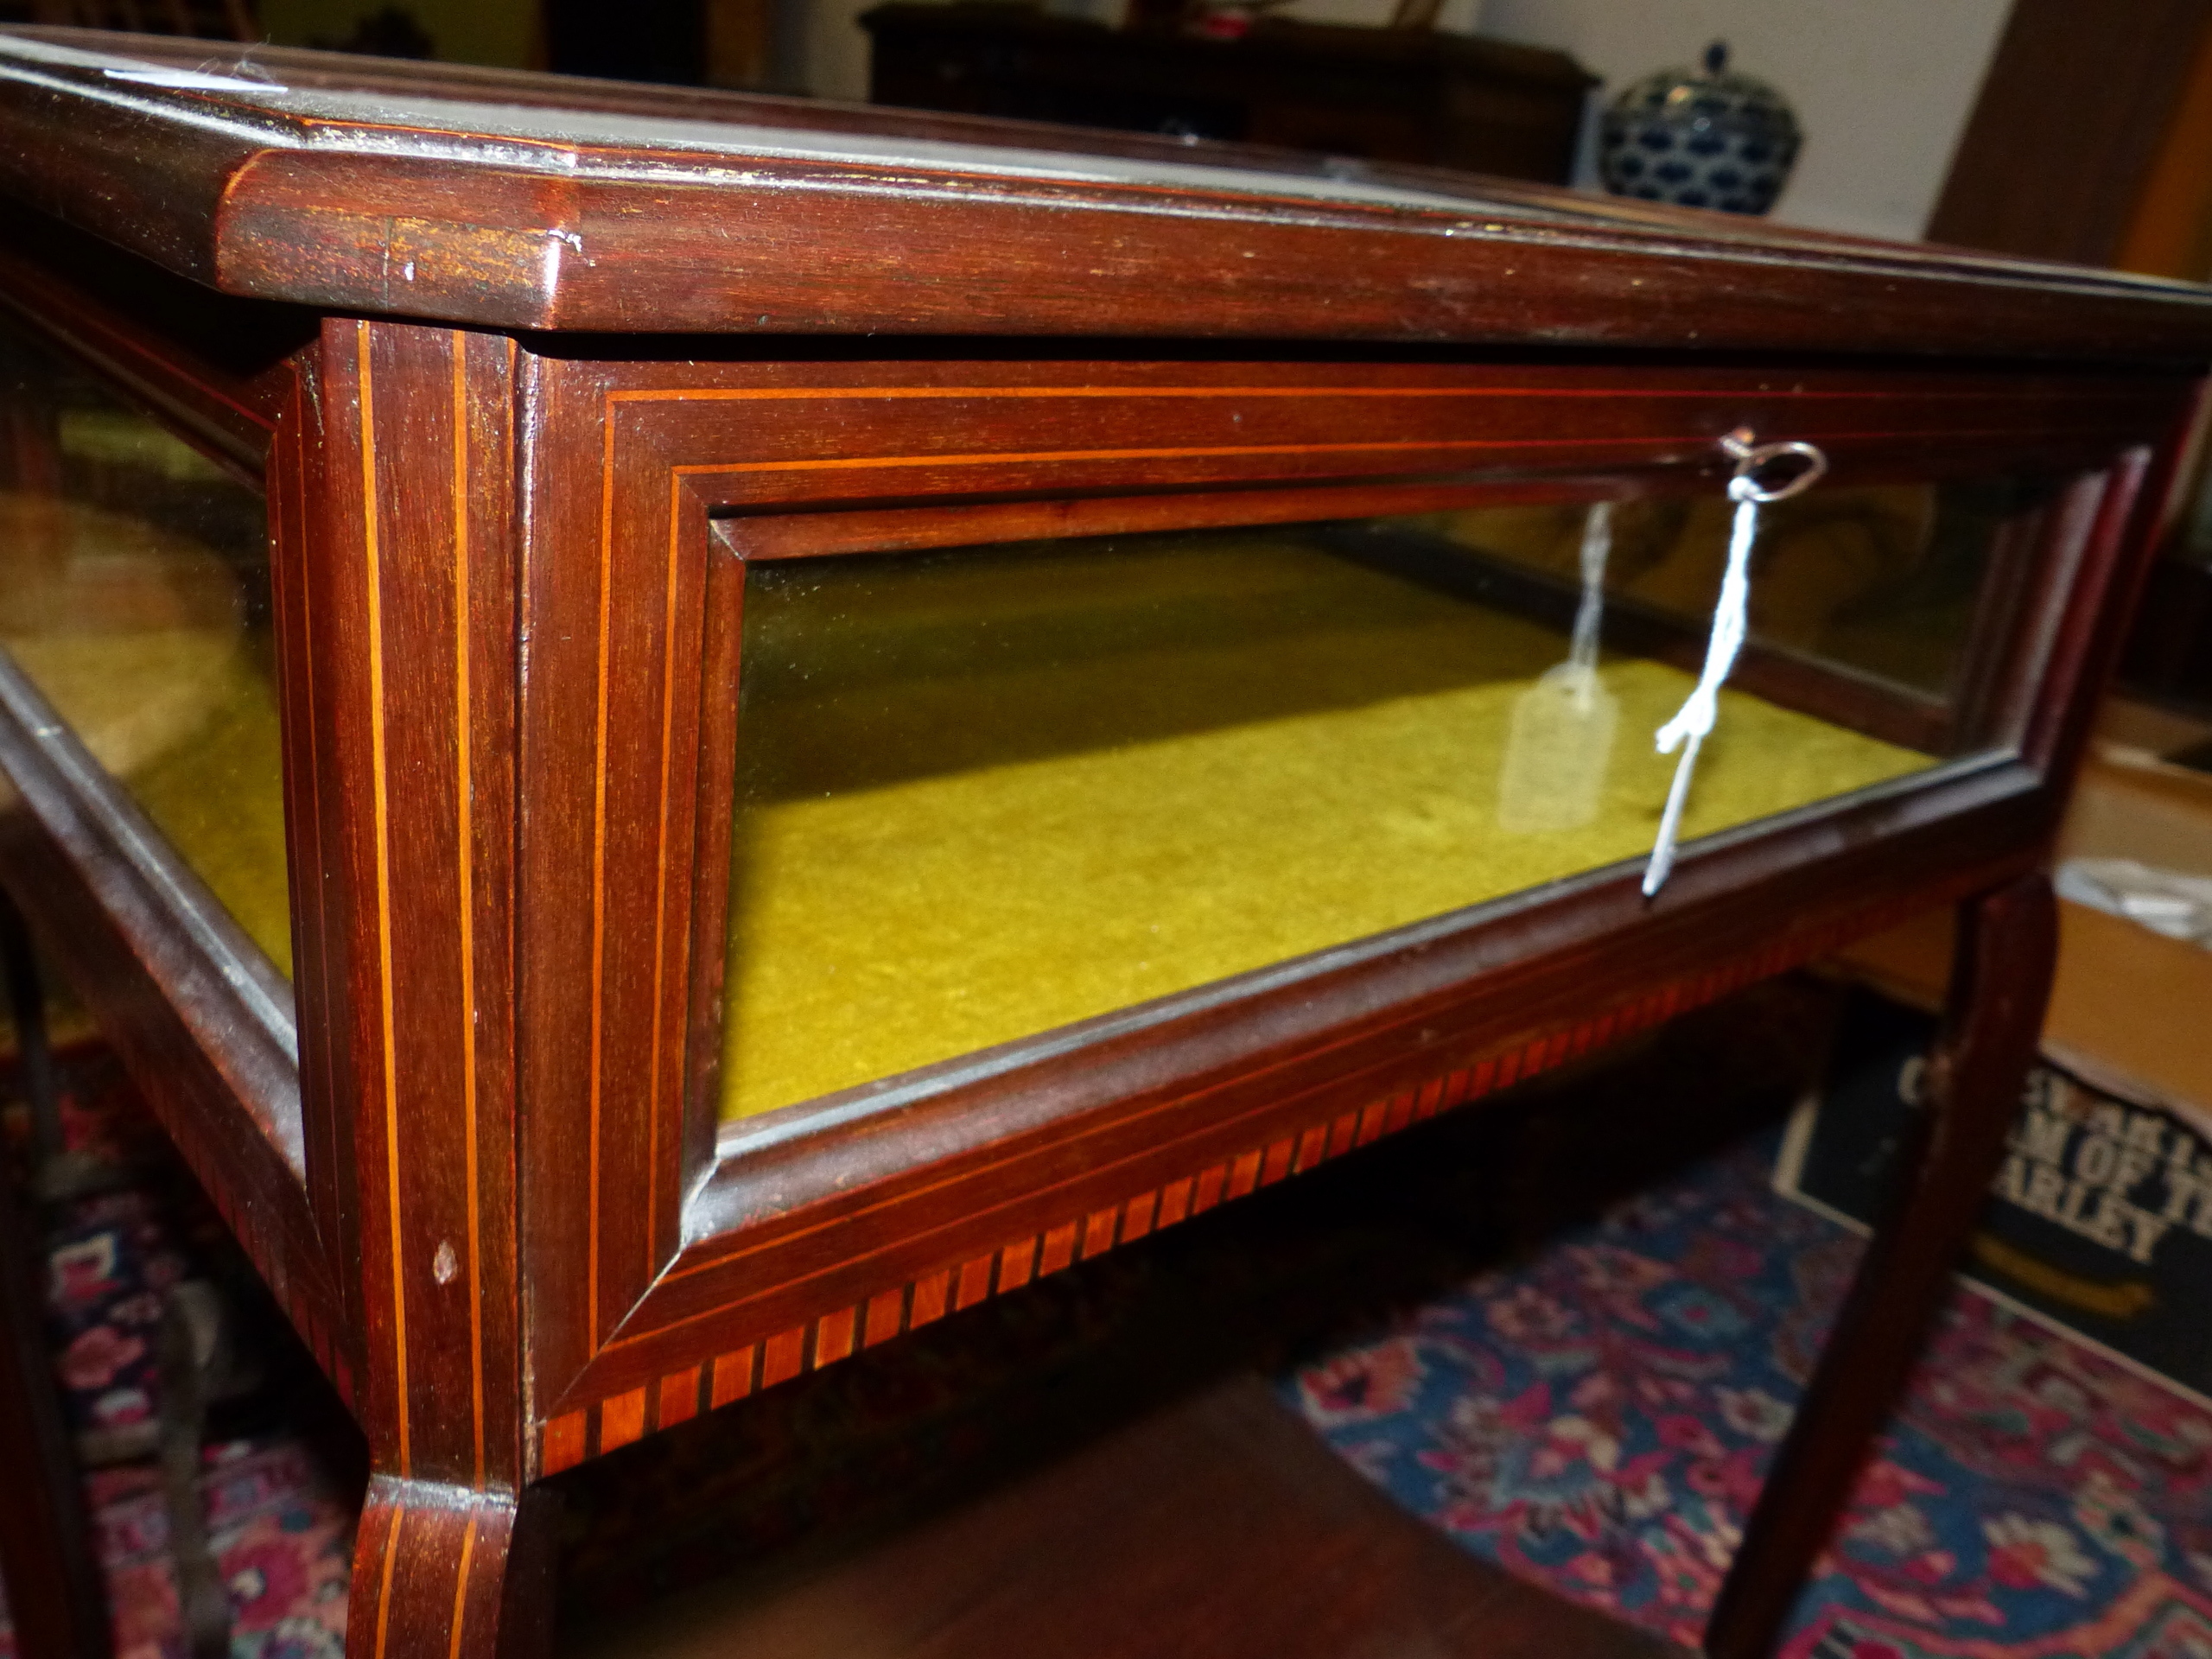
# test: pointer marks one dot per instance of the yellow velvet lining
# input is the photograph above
(133, 635)
(219, 797)
(212, 782)
(1000, 792)
(989, 796)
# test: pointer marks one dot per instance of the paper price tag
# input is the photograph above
(1558, 751)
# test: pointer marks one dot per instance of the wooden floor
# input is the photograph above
(1094, 1470)
(1218, 1526)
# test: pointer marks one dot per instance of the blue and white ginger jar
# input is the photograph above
(1715, 139)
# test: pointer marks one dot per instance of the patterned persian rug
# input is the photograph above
(1596, 1419)
(1596, 1416)
(280, 1527)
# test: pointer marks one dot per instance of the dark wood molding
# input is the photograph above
(585, 225)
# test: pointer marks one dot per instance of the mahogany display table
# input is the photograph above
(679, 733)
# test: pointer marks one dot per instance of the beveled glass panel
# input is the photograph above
(134, 593)
(990, 791)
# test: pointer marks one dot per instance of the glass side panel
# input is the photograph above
(1879, 580)
(987, 791)
(134, 593)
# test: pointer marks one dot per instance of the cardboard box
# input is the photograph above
(2101, 1220)
(2130, 1012)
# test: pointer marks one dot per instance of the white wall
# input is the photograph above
(1882, 87)
(837, 50)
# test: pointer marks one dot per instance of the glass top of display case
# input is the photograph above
(506, 197)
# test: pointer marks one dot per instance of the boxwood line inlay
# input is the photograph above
(620, 1418)
(466, 895)
(671, 959)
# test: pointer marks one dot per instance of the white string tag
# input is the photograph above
(1560, 746)
(1692, 723)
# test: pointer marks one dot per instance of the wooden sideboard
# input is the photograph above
(678, 733)
(1365, 94)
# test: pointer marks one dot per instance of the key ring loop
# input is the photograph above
(1752, 458)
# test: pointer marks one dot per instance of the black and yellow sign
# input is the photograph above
(2101, 1216)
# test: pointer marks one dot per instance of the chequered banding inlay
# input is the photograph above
(570, 1438)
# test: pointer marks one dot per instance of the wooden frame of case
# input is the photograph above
(699, 1255)
(479, 1164)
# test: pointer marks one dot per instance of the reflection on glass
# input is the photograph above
(1883, 580)
(134, 593)
(987, 791)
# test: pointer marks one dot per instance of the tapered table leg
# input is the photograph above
(2000, 981)
(443, 1572)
